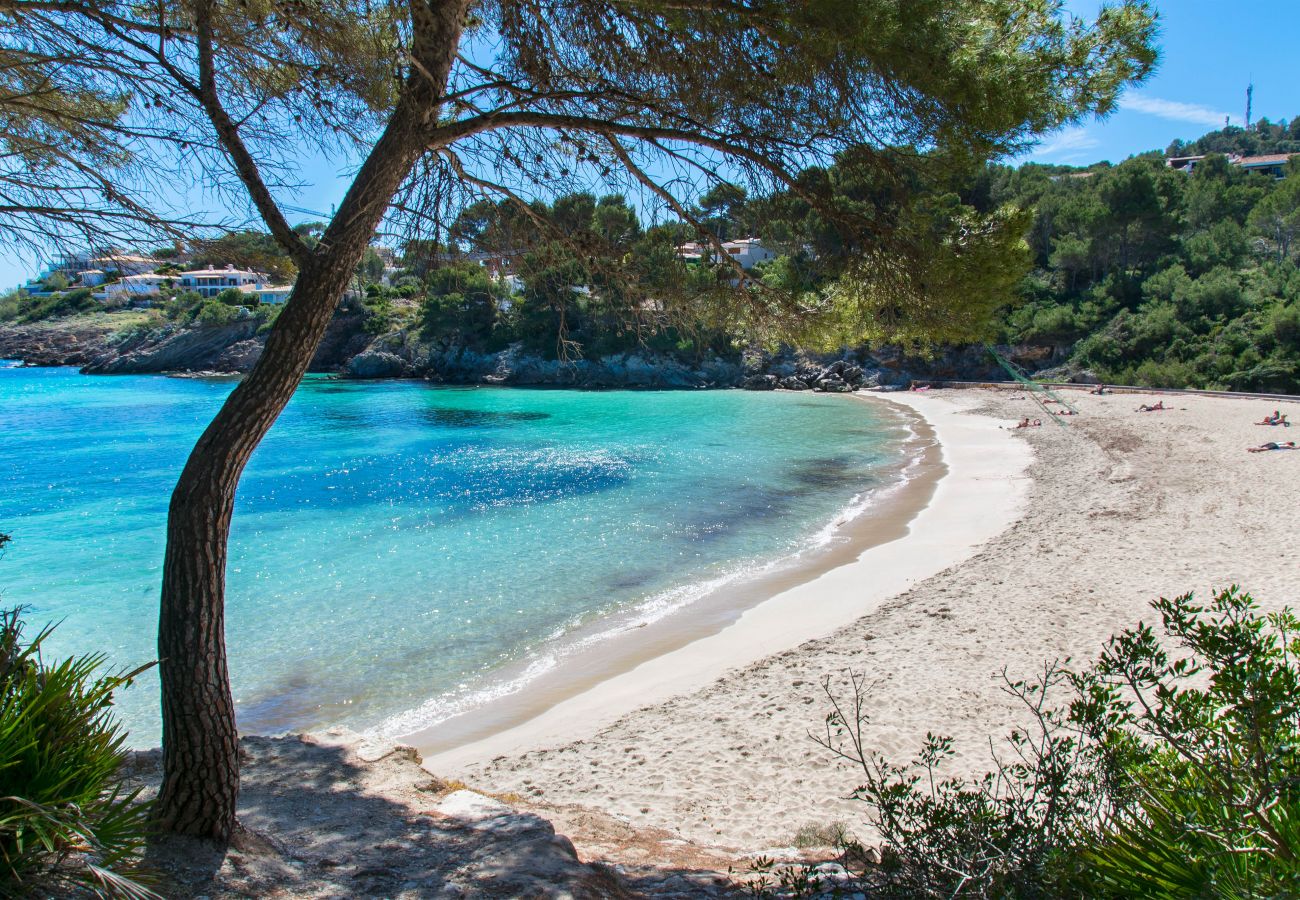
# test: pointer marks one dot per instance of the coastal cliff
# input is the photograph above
(129, 343)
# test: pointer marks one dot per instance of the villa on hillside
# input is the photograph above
(135, 286)
(90, 269)
(1273, 164)
(210, 282)
(749, 252)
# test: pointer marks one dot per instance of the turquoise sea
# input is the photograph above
(396, 546)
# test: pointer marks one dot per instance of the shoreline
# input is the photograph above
(972, 495)
(615, 644)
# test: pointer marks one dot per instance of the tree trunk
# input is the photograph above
(200, 785)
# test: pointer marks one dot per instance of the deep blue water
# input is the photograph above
(395, 542)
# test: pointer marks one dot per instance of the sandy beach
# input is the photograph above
(1037, 544)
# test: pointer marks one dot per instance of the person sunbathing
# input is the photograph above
(1066, 412)
(1271, 420)
(1100, 390)
(1025, 423)
(1272, 445)
(1160, 405)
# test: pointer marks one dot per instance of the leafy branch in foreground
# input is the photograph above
(1172, 770)
(66, 822)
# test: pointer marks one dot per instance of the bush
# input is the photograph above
(1172, 771)
(66, 822)
(215, 312)
(34, 309)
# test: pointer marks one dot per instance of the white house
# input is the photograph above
(265, 293)
(136, 286)
(210, 282)
(749, 252)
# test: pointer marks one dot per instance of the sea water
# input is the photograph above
(396, 546)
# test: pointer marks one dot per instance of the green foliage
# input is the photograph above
(236, 297)
(1155, 277)
(379, 310)
(1262, 137)
(65, 820)
(23, 308)
(1172, 771)
(256, 251)
(191, 308)
(1216, 808)
(460, 307)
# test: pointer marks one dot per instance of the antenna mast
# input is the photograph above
(1250, 100)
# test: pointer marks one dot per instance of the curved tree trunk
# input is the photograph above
(200, 744)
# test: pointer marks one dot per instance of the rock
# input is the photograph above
(830, 871)
(794, 383)
(376, 365)
(760, 383)
(834, 384)
(472, 807)
(239, 357)
(174, 349)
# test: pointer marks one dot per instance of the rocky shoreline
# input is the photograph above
(96, 346)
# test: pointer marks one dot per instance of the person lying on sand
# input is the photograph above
(1276, 419)
(1272, 445)
(1100, 390)
(1066, 412)
(1157, 408)
(1025, 423)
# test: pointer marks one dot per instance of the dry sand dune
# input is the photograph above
(1123, 507)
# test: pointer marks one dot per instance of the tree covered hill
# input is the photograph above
(1147, 275)
(1137, 273)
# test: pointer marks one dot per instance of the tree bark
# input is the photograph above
(200, 785)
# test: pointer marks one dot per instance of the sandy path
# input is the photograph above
(1123, 507)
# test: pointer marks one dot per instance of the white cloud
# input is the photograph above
(1191, 113)
(1067, 145)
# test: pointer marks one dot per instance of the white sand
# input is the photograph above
(711, 741)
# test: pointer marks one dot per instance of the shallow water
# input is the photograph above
(395, 542)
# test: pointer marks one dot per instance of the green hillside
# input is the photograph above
(1153, 276)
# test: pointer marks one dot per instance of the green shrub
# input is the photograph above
(236, 297)
(11, 306)
(34, 309)
(214, 312)
(1173, 770)
(66, 822)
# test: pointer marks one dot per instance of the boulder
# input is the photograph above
(373, 364)
(760, 383)
(834, 384)
(794, 383)
(239, 357)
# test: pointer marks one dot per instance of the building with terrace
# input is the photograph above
(210, 282)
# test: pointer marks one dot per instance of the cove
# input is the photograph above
(398, 546)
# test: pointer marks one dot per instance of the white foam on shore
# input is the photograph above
(982, 494)
(572, 640)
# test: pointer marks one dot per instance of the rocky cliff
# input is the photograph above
(349, 350)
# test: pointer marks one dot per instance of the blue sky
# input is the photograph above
(1210, 51)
